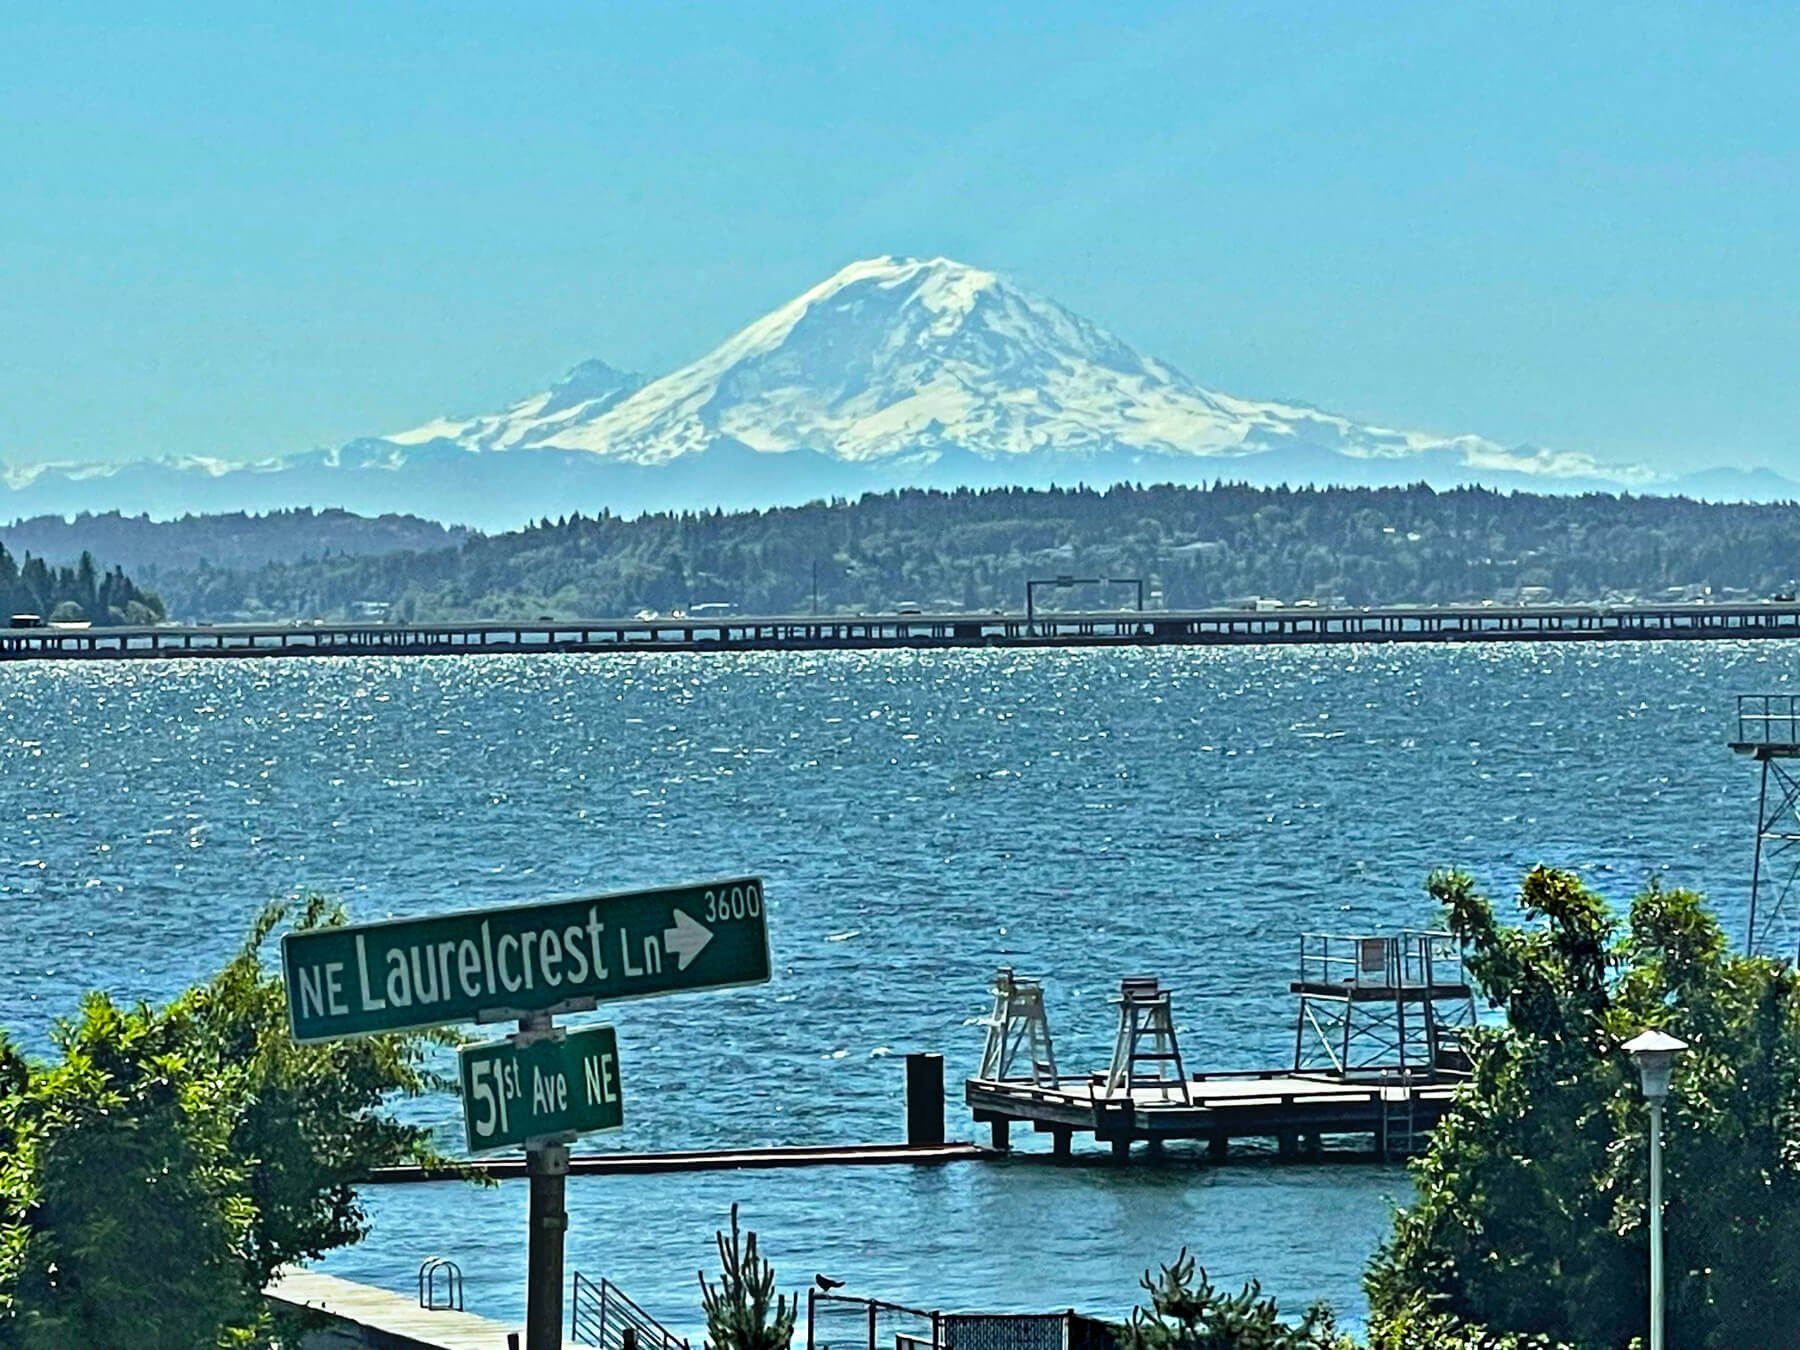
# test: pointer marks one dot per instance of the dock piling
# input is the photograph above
(924, 1099)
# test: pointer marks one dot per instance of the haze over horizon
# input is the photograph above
(258, 233)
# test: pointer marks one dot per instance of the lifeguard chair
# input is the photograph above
(1017, 1023)
(1145, 1016)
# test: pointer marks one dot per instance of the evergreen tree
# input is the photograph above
(1184, 1315)
(744, 1312)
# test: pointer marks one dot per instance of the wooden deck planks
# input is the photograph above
(396, 1316)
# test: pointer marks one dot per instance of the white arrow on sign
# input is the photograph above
(687, 939)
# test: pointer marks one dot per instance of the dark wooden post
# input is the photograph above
(924, 1099)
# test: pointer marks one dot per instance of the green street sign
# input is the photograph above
(490, 965)
(548, 1087)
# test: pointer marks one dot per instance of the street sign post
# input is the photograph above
(500, 964)
(528, 962)
(548, 1087)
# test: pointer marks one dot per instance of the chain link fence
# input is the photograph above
(844, 1322)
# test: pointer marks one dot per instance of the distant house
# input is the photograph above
(1200, 548)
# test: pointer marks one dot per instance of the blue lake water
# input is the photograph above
(918, 819)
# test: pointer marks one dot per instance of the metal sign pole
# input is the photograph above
(547, 1165)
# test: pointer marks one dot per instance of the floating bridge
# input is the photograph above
(1469, 623)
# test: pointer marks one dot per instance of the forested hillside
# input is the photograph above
(73, 593)
(968, 549)
(149, 547)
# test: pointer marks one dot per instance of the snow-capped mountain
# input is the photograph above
(895, 358)
(892, 372)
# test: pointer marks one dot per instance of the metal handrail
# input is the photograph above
(1768, 719)
(429, 1269)
(1407, 960)
(601, 1314)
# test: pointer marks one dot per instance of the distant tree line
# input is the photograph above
(234, 539)
(973, 549)
(74, 593)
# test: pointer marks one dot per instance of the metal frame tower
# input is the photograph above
(1380, 1007)
(1768, 730)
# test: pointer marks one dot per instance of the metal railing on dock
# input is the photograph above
(452, 1296)
(601, 1315)
(843, 1322)
(1415, 959)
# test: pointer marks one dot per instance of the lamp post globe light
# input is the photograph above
(1654, 1053)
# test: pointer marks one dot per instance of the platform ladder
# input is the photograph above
(1145, 1015)
(1017, 1024)
(1400, 1132)
(447, 1296)
(601, 1315)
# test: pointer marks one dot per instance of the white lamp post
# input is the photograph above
(1654, 1053)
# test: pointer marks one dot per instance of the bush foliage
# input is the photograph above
(1532, 1202)
(157, 1172)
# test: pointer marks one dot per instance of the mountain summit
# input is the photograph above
(901, 360)
(892, 372)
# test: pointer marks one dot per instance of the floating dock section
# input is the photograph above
(1377, 1058)
(505, 1168)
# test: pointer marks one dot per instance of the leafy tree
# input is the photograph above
(744, 1312)
(155, 1175)
(1184, 1315)
(1531, 1209)
(117, 1231)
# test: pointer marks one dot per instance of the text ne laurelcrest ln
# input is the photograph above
(484, 964)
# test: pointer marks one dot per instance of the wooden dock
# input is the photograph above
(1112, 628)
(1294, 1111)
(1377, 1058)
(356, 1315)
(700, 1160)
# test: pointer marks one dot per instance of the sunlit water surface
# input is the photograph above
(919, 819)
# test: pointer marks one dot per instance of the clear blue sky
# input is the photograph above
(252, 228)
